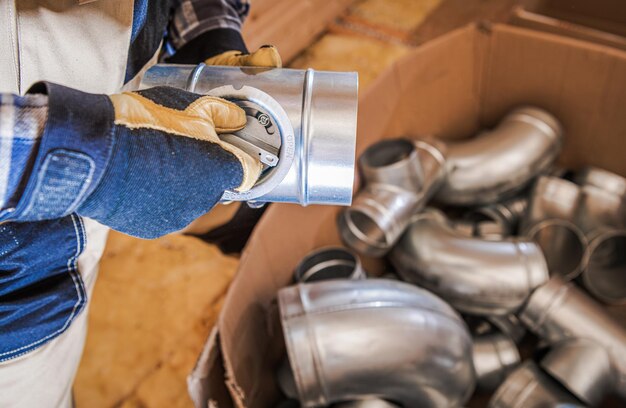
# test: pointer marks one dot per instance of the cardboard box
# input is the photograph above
(450, 88)
(600, 21)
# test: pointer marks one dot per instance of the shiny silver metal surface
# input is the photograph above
(314, 113)
(400, 175)
(495, 356)
(529, 387)
(500, 220)
(474, 275)
(602, 217)
(356, 339)
(583, 367)
(496, 164)
(605, 272)
(558, 311)
(329, 263)
(600, 209)
(551, 221)
(604, 179)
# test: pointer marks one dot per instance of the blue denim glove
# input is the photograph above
(144, 163)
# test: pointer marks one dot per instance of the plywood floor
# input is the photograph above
(156, 301)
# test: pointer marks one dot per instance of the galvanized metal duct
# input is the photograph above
(582, 228)
(349, 340)
(551, 221)
(474, 275)
(307, 124)
(496, 164)
(558, 311)
(400, 176)
(602, 217)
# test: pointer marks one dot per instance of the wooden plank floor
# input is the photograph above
(156, 301)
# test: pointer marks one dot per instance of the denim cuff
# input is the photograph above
(73, 154)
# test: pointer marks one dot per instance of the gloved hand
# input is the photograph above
(144, 163)
(266, 56)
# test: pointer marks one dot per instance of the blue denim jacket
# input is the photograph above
(41, 291)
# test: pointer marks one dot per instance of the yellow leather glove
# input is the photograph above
(202, 119)
(266, 56)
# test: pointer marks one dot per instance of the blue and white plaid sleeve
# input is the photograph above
(193, 18)
(22, 123)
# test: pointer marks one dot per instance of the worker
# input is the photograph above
(81, 152)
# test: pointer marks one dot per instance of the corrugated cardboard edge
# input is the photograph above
(203, 388)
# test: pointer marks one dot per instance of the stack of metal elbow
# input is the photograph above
(495, 255)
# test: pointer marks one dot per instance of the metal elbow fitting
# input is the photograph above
(353, 339)
(329, 263)
(529, 387)
(301, 124)
(495, 355)
(583, 367)
(496, 164)
(400, 175)
(474, 275)
(551, 221)
(558, 311)
(582, 228)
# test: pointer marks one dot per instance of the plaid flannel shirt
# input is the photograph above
(23, 118)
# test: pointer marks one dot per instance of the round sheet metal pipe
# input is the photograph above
(495, 355)
(551, 222)
(329, 263)
(558, 311)
(474, 275)
(353, 339)
(400, 175)
(308, 124)
(529, 387)
(583, 367)
(496, 164)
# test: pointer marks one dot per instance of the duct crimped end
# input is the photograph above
(540, 118)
